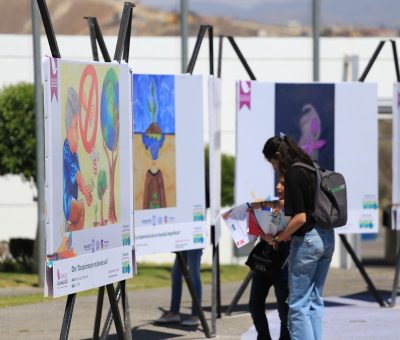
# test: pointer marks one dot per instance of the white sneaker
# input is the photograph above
(169, 317)
(192, 321)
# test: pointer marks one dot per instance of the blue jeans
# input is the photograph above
(309, 260)
(193, 258)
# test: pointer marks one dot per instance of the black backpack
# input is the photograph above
(330, 197)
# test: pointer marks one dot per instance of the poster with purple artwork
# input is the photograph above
(308, 117)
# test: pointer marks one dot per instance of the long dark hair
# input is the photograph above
(288, 150)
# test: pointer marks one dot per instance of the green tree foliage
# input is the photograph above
(101, 184)
(17, 131)
(227, 179)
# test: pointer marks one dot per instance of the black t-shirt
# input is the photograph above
(300, 196)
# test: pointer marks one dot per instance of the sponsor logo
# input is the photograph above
(365, 222)
(198, 213)
(154, 220)
(126, 268)
(370, 202)
(165, 219)
(93, 245)
(87, 247)
(126, 239)
(160, 220)
(198, 238)
(62, 278)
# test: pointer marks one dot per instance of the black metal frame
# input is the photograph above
(123, 36)
(123, 333)
(97, 36)
(343, 238)
(180, 257)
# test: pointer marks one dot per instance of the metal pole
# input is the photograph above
(40, 232)
(184, 35)
(239, 293)
(316, 32)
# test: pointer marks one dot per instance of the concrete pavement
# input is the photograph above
(351, 310)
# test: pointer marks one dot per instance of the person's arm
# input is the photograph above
(294, 224)
(277, 204)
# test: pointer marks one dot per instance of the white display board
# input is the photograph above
(169, 177)
(214, 110)
(396, 158)
(335, 123)
(88, 175)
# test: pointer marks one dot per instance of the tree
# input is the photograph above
(17, 131)
(227, 178)
(101, 189)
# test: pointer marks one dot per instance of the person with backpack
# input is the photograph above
(311, 245)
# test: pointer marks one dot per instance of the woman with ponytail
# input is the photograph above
(311, 247)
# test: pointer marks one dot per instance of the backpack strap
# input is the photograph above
(304, 165)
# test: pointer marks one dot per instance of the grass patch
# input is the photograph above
(148, 276)
(11, 280)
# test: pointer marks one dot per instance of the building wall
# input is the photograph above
(271, 59)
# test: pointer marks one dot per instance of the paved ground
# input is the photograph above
(351, 312)
(43, 321)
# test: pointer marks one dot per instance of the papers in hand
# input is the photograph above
(268, 221)
(236, 221)
(245, 227)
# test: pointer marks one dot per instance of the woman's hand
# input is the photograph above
(267, 238)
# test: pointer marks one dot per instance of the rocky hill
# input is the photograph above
(67, 18)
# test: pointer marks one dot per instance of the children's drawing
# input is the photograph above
(154, 141)
(90, 158)
(74, 209)
(306, 113)
(310, 127)
(109, 116)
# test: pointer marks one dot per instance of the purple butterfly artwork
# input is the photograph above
(310, 126)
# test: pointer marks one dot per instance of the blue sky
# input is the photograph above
(367, 13)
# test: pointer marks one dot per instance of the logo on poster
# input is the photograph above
(126, 239)
(198, 213)
(370, 202)
(126, 268)
(245, 94)
(62, 278)
(198, 238)
(365, 222)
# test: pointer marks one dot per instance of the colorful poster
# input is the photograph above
(88, 168)
(154, 141)
(168, 152)
(325, 120)
(308, 117)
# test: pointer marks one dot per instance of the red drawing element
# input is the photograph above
(91, 106)
(53, 79)
(245, 94)
(253, 225)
